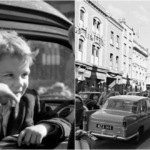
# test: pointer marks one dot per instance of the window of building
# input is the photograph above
(82, 13)
(125, 49)
(81, 46)
(82, 17)
(130, 37)
(95, 54)
(124, 66)
(117, 63)
(93, 50)
(125, 33)
(96, 25)
(117, 44)
(130, 53)
(111, 37)
(111, 61)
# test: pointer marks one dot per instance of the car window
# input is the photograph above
(84, 96)
(124, 105)
(129, 93)
(144, 106)
(53, 71)
(94, 96)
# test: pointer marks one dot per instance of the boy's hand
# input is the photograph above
(33, 135)
(6, 92)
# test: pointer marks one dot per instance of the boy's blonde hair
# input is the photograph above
(12, 44)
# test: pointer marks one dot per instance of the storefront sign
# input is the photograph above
(90, 36)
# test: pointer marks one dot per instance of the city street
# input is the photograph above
(112, 144)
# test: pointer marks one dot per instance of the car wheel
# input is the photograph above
(138, 137)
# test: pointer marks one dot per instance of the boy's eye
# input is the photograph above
(8, 75)
(25, 74)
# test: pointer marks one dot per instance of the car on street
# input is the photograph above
(121, 118)
(113, 93)
(80, 109)
(135, 93)
(90, 99)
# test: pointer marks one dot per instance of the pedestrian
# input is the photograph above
(30, 118)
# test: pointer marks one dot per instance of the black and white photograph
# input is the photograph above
(112, 74)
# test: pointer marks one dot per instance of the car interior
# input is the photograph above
(52, 74)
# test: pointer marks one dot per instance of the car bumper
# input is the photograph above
(113, 136)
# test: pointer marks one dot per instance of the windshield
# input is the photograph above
(52, 73)
(123, 105)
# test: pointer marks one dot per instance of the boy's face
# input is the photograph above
(15, 73)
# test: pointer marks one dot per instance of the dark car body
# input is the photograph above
(90, 99)
(80, 109)
(46, 29)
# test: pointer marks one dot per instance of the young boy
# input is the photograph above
(31, 119)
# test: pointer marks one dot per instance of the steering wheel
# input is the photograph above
(92, 104)
(64, 104)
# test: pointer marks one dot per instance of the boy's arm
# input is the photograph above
(59, 127)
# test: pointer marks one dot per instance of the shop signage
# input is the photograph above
(90, 36)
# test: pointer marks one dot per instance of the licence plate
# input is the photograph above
(102, 126)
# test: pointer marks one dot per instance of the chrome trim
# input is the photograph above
(114, 136)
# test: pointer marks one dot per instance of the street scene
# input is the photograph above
(112, 74)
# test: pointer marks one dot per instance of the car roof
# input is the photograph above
(128, 97)
(133, 92)
(35, 20)
(89, 92)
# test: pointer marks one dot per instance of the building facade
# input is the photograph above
(90, 28)
(139, 66)
(114, 53)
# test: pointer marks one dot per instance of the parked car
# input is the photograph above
(80, 109)
(113, 93)
(121, 118)
(46, 30)
(90, 99)
(135, 93)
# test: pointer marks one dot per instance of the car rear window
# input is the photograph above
(84, 96)
(123, 105)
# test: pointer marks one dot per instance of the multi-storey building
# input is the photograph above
(126, 59)
(113, 57)
(139, 66)
(90, 37)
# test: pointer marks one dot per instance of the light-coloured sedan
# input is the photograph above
(121, 117)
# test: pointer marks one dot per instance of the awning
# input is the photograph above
(96, 75)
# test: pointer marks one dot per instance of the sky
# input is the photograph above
(136, 14)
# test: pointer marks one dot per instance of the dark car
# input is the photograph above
(46, 30)
(90, 99)
(80, 109)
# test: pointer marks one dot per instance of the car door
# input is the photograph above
(144, 114)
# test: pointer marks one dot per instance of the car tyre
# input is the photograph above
(138, 137)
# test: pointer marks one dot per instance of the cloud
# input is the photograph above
(141, 14)
(115, 12)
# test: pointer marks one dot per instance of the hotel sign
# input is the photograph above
(91, 36)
